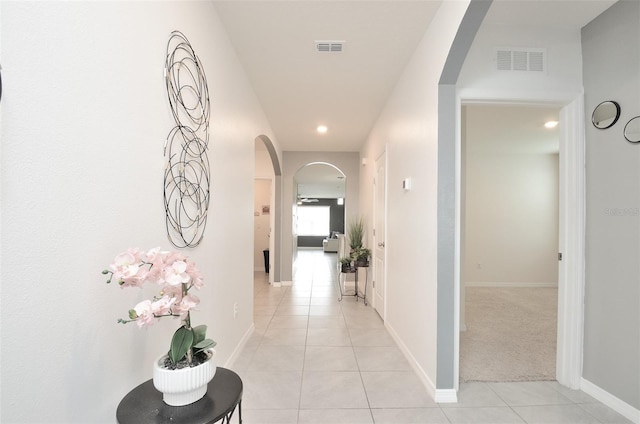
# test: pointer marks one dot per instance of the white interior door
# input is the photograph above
(380, 192)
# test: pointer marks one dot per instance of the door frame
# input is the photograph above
(571, 234)
(375, 233)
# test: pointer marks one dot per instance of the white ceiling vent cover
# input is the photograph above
(329, 46)
(521, 59)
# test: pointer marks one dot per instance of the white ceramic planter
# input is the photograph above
(184, 386)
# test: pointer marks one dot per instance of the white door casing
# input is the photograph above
(571, 240)
(380, 204)
(571, 278)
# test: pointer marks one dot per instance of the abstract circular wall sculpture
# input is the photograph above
(186, 175)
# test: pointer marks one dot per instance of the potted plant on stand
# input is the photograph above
(361, 257)
(359, 253)
(182, 374)
(345, 264)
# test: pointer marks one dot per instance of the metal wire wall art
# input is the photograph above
(186, 175)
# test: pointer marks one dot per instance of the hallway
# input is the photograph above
(313, 359)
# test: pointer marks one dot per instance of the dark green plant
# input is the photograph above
(356, 233)
(187, 342)
(346, 260)
(362, 254)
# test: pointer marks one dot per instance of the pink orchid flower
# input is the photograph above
(125, 265)
(176, 273)
(187, 303)
(144, 313)
(163, 305)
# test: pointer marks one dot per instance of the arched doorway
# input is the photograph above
(319, 191)
(267, 168)
(292, 162)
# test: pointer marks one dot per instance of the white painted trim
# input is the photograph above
(385, 154)
(511, 284)
(618, 405)
(277, 284)
(285, 283)
(571, 238)
(446, 396)
(240, 346)
(422, 375)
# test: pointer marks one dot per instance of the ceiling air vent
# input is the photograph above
(521, 59)
(329, 46)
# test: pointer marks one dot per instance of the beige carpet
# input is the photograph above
(511, 334)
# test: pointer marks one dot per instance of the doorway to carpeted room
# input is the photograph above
(511, 334)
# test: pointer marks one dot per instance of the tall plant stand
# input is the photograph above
(342, 277)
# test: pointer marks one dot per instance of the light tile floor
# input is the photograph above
(313, 359)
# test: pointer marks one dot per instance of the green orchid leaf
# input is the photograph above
(204, 344)
(199, 334)
(180, 344)
(132, 314)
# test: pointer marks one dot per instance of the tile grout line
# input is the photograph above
(364, 388)
(304, 354)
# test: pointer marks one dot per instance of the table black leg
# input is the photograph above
(227, 418)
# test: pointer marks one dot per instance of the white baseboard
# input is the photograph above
(618, 405)
(446, 396)
(277, 284)
(510, 284)
(286, 283)
(236, 352)
(422, 375)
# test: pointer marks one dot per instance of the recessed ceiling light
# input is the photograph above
(322, 129)
(551, 124)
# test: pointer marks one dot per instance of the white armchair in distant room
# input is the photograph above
(331, 243)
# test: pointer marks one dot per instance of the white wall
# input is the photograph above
(407, 129)
(85, 116)
(512, 219)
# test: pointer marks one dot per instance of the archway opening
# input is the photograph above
(267, 209)
(318, 208)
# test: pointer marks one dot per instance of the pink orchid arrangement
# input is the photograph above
(175, 276)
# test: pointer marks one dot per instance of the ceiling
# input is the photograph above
(300, 88)
(511, 129)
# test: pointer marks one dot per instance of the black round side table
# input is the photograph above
(144, 405)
